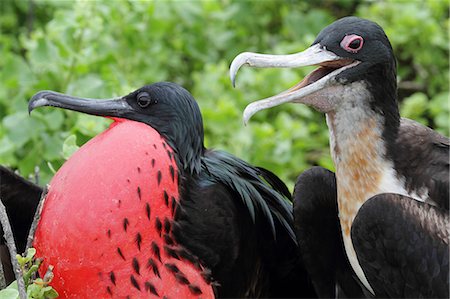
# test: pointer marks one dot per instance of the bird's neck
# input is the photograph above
(363, 167)
(359, 155)
(189, 150)
(362, 141)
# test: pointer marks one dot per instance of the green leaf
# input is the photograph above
(52, 146)
(87, 86)
(9, 294)
(22, 128)
(13, 285)
(21, 260)
(31, 252)
(69, 146)
(54, 119)
(415, 107)
(50, 292)
(91, 125)
(33, 269)
(44, 51)
(34, 291)
(7, 151)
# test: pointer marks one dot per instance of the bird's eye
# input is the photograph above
(352, 43)
(144, 100)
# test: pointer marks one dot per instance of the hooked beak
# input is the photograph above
(330, 65)
(117, 107)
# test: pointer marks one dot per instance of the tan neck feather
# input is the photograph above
(358, 153)
(359, 168)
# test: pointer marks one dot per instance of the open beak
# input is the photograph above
(117, 107)
(330, 65)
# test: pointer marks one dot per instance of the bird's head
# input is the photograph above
(167, 107)
(353, 56)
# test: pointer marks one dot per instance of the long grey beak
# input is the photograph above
(330, 63)
(312, 56)
(116, 107)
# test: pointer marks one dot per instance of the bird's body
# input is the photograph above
(360, 175)
(117, 199)
(400, 205)
(144, 209)
(386, 168)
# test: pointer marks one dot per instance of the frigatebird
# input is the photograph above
(392, 175)
(145, 209)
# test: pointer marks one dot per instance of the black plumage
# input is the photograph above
(320, 238)
(16, 193)
(20, 198)
(412, 250)
(422, 157)
(225, 237)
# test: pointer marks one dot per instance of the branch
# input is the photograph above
(37, 217)
(37, 172)
(411, 86)
(2, 277)
(12, 250)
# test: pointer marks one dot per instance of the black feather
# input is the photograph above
(249, 183)
(135, 283)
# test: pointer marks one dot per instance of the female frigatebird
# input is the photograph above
(392, 174)
(145, 209)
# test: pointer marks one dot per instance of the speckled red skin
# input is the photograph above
(95, 211)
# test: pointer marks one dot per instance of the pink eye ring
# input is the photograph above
(352, 43)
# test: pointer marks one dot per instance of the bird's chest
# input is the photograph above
(358, 175)
(360, 166)
(106, 224)
(358, 154)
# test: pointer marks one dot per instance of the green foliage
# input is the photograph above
(69, 146)
(102, 49)
(37, 288)
(10, 292)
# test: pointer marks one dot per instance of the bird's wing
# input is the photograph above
(241, 226)
(20, 198)
(403, 247)
(208, 225)
(275, 182)
(250, 186)
(319, 235)
(422, 157)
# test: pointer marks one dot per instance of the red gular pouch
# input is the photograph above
(106, 221)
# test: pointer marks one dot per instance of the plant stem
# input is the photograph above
(2, 277)
(37, 217)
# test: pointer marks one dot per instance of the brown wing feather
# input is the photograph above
(422, 157)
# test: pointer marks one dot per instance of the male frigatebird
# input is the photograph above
(392, 174)
(145, 209)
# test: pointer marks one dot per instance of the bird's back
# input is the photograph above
(422, 157)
